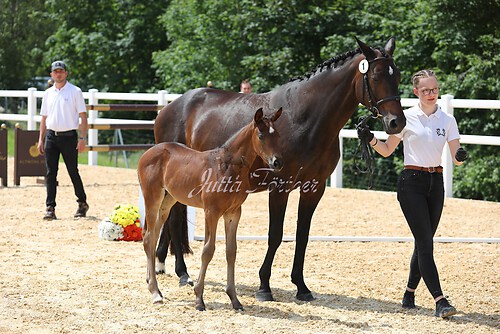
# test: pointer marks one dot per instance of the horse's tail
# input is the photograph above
(178, 226)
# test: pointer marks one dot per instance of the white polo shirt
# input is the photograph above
(424, 136)
(62, 107)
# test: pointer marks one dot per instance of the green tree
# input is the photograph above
(467, 39)
(107, 44)
(24, 26)
(225, 41)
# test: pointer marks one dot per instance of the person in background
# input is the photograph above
(420, 190)
(62, 108)
(245, 87)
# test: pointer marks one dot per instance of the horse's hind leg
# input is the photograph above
(175, 233)
(178, 230)
(231, 221)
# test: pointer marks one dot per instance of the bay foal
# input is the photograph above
(217, 180)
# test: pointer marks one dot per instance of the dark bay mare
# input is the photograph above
(216, 180)
(315, 108)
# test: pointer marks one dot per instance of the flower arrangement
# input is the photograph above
(122, 224)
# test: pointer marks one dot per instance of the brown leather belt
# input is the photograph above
(437, 169)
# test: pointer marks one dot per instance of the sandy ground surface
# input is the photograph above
(59, 277)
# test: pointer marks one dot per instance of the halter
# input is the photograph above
(374, 107)
(365, 149)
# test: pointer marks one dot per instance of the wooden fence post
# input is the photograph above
(92, 135)
(3, 154)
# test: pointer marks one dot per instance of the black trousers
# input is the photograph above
(421, 197)
(54, 147)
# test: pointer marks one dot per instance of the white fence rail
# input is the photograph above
(447, 102)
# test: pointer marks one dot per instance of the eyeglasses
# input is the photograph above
(434, 91)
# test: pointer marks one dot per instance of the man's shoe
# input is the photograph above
(50, 214)
(408, 300)
(444, 309)
(82, 210)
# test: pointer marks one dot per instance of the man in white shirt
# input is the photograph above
(245, 87)
(62, 108)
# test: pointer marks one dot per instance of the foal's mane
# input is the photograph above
(335, 62)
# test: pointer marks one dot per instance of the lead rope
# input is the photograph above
(366, 153)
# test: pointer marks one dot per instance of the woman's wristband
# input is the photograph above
(376, 142)
(83, 138)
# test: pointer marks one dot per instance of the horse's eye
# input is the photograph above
(260, 135)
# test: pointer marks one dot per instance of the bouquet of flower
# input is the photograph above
(123, 224)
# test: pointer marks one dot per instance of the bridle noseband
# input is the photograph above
(374, 107)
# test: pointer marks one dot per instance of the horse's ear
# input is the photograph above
(277, 114)
(259, 114)
(367, 51)
(390, 46)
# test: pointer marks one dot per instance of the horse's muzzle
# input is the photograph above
(393, 124)
(275, 163)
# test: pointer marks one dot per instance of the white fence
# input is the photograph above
(447, 102)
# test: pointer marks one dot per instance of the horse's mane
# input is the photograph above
(334, 62)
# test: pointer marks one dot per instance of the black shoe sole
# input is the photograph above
(408, 307)
(447, 313)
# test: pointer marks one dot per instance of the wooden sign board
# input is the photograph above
(27, 159)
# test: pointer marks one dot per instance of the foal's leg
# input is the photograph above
(150, 237)
(231, 221)
(157, 214)
(162, 249)
(307, 205)
(211, 220)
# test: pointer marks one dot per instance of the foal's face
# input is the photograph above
(266, 139)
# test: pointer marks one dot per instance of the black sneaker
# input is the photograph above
(408, 300)
(50, 214)
(82, 210)
(444, 309)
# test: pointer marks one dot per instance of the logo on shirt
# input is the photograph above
(441, 132)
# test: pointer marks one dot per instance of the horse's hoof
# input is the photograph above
(200, 308)
(185, 280)
(237, 305)
(305, 297)
(264, 296)
(160, 268)
(158, 300)
(239, 308)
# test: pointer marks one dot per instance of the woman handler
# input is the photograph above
(420, 185)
